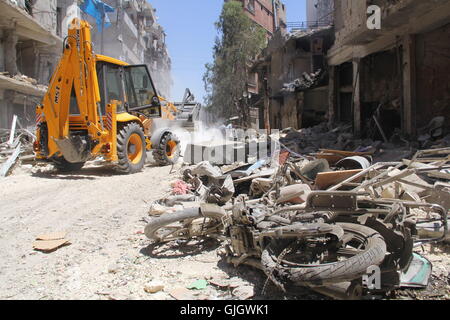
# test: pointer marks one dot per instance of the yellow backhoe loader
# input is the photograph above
(99, 106)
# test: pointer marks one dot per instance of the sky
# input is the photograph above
(190, 30)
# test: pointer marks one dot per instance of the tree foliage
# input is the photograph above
(238, 42)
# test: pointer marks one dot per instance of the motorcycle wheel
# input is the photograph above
(360, 248)
(185, 224)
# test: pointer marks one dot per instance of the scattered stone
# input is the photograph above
(181, 294)
(113, 268)
(154, 286)
(244, 292)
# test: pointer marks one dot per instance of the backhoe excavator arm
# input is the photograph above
(76, 72)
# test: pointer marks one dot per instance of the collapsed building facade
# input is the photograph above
(293, 79)
(30, 45)
(134, 36)
(401, 71)
(32, 33)
(319, 13)
(394, 80)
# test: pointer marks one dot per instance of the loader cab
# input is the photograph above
(131, 85)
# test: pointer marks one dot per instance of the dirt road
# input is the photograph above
(109, 257)
(102, 213)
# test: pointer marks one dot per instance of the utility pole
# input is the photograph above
(103, 30)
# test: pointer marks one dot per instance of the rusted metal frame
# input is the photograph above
(374, 180)
(411, 204)
(307, 207)
(421, 153)
(417, 185)
(376, 166)
(403, 174)
(386, 181)
(6, 166)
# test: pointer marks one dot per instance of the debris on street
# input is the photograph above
(50, 242)
(16, 144)
(322, 195)
(315, 166)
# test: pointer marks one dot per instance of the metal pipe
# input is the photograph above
(340, 291)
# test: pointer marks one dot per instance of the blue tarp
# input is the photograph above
(98, 10)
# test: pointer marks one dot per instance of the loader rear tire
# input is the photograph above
(62, 165)
(131, 149)
(167, 152)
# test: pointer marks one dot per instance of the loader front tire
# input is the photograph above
(167, 152)
(62, 165)
(131, 149)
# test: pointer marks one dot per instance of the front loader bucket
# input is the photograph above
(74, 149)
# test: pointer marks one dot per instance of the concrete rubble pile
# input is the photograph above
(340, 137)
(305, 82)
(16, 145)
(405, 203)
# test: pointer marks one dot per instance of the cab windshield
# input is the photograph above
(141, 93)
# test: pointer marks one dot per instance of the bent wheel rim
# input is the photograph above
(135, 148)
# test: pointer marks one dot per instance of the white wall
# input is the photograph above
(311, 11)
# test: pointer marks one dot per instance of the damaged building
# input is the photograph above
(398, 75)
(387, 82)
(29, 50)
(32, 34)
(134, 36)
(319, 13)
(294, 79)
(268, 14)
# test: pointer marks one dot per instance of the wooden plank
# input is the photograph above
(409, 85)
(347, 153)
(328, 179)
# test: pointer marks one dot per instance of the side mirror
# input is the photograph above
(155, 101)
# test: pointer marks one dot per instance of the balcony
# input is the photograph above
(131, 5)
(7, 83)
(132, 30)
(398, 18)
(27, 27)
(306, 25)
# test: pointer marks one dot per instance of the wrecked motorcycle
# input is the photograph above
(309, 244)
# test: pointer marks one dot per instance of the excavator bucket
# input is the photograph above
(74, 149)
